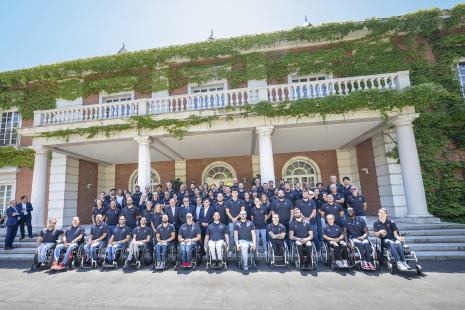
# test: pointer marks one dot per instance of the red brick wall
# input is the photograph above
(368, 182)
(123, 172)
(138, 95)
(91, 99)
(88, 174)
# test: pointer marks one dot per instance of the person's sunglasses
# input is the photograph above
(243, 214)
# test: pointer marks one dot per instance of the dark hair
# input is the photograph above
(22, 197)
(345, 178)
(281, 180)
(319, 184)
(137, 186)
(159, 186)
(234, 190)
(100, 193)
(112, 189)
(287, 182)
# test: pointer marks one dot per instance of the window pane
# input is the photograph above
(321, 78)
(303, 80)
(295, 81)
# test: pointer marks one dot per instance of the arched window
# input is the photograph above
(155, 180)
(300, 171)
(219, 172)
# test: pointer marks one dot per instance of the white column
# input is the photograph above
(266, 153)
(410, 164)
(348, 166)
(144, 169)
(180, 171)
(106, 178)
(39, 186)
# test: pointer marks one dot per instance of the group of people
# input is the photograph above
(238, 219)
(18, 216)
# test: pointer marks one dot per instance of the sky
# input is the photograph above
(39, 32)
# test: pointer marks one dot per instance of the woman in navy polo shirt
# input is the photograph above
(259, 216)
(334, 235)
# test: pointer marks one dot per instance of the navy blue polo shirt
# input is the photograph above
(165, 232)
(121, 233)
(149, 196)
(346, 192)
(290, 195)
(156, 219)
(276, 229)
(357, 204)
(97, 231)
(189, 231)
(300, 229)
(131, 216)
(234, 188)
(194, 200)
(268, 194)
(234, 207)
(240, 194)
(181, 195)
(306, 208)
(283, 209)
(73, 232)
(297, 194)
(354, 227)
(332, 231)
(221, 209)
(333, 209)
(339, 187)
(136, 197)
(337, 196)
(148, 215)
(50, 236)
(389, 226)
(113, 216)
(98, 211)
(244, 230)
(226, 197)
(259, 216)
(248, 208)
(142, 232)
(216, 232)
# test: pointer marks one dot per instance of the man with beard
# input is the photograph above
(98, 234)
(301, 232)
(285, 209)
(165, 235)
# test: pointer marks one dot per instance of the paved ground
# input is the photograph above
(442, 286)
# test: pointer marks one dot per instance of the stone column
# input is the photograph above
(39, 186)
(144, 169)
(266, 153)
(410, 164)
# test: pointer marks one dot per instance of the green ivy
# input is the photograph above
(16, 158)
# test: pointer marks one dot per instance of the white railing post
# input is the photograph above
(402, 79)
(38, 118)
(263, 94)
(142, 107)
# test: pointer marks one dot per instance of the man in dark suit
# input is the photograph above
(206, 218)
(184, 209)
(173, 216)
(25, 208)
(11, 224)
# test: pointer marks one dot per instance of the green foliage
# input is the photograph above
(15, 158)
(176, 184)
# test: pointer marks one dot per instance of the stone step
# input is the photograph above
(21, 245)
(430, 239)
(408, 227)
(27, 239)
(17, 257)
(440, 255)
(18, 251)
(437, 247)
(434, 232)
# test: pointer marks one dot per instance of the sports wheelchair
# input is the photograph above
(101, 252)
(121, 255)
(144, 254)
(355, 258)
(295, 258)
(74, 257)
(196, 257)
(170, 256)
(49, 259)
(271, 256)
(408, 254)
(327, 256)
(252, 258)
(224, 259)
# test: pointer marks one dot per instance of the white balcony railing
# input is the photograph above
(221, 99)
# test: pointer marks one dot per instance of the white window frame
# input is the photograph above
(153, 185)
(462, 79)
(20, 122)
(103, 97)
(216, 164)
(314, 175)
(191, 87)
(295, 76)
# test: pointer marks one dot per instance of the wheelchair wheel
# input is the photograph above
(147, 254)
(419, 270)
(102, 250)
(255, 255)
(198, 255)
(324, 253)
(390, 267)
(237, 258)
(72, 265)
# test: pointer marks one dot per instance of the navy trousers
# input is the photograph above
(11, 235)
(29, 227)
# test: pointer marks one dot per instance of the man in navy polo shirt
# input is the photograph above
(165, 235)
(285, 209)
(220, 207)
(387, 230)
(73, 234)
(301, 232)
(169, 188)
(141, 236)
(308, 211)
(347, 192)
(332, 208)
(358, 203)
(288, 194)
(333, 180)
(112, 219)
(356, 229)
(131, 214)
(258, 185)
(99, 209)
(227, 194)
(215, 236)
(105, 204)
(267, 191)
(47, 238)
(121, 235)
(277, 233)
(188, 235)
(98, 233)
(233, 209)
(245, 237)
(182, 192)
(108, 197)
(241, 191)
(297, 192)
(333, 235)
(235, 184)
(192, 191)
(195, 196)
(148, 193)
(271, 186)
(282, 186)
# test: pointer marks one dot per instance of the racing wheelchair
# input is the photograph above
(355, 258)
(271, 256)
(74, 257)
(144, 254)
(224, 259)
(295, 257)
(170, 256)
(94, 262)
(121, 255)
(252, 258)
(408, 254)
(49, 259)
(327, 256)
(196, 257)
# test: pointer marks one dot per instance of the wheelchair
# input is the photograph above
(252, 260)
(170, 256)
(327, 256)
(354, 256)
(295, 258)
(224, 259)
(271, 256)
(121, 255)
(49, 259)
(74, 257)
(409, 255)
(196, 257)
(101, 250)
(145, 254)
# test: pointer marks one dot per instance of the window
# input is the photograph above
(207, 100)
(6, 195)
(462, 76)
(8, 135)
(308, 91)
(300, 171)
(219, 173)
(154, 182)
(121, 110)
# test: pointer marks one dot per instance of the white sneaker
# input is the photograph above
(401, 266)
(339, 264)
(246, 267)
(264, 253)
(346, 265)
(406, 265)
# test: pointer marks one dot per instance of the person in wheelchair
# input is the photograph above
(141, 236)
(355, 228)
(98, 234)
(47, 239)
(389, 233)
(333, 235)
(165, 235)
(277, 233)
(301, 232)
(215, 237)
(188, 236)
(245, 237)
(72, 236)
(121, 235)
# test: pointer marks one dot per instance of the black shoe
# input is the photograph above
(309, 265)
(8, 248)
(22, 237)
(303, 266)
(214, 263)
(30, 237)
(12, 247)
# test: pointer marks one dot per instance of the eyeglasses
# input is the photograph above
(243, 214)
(354, 190)
(189, 217)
